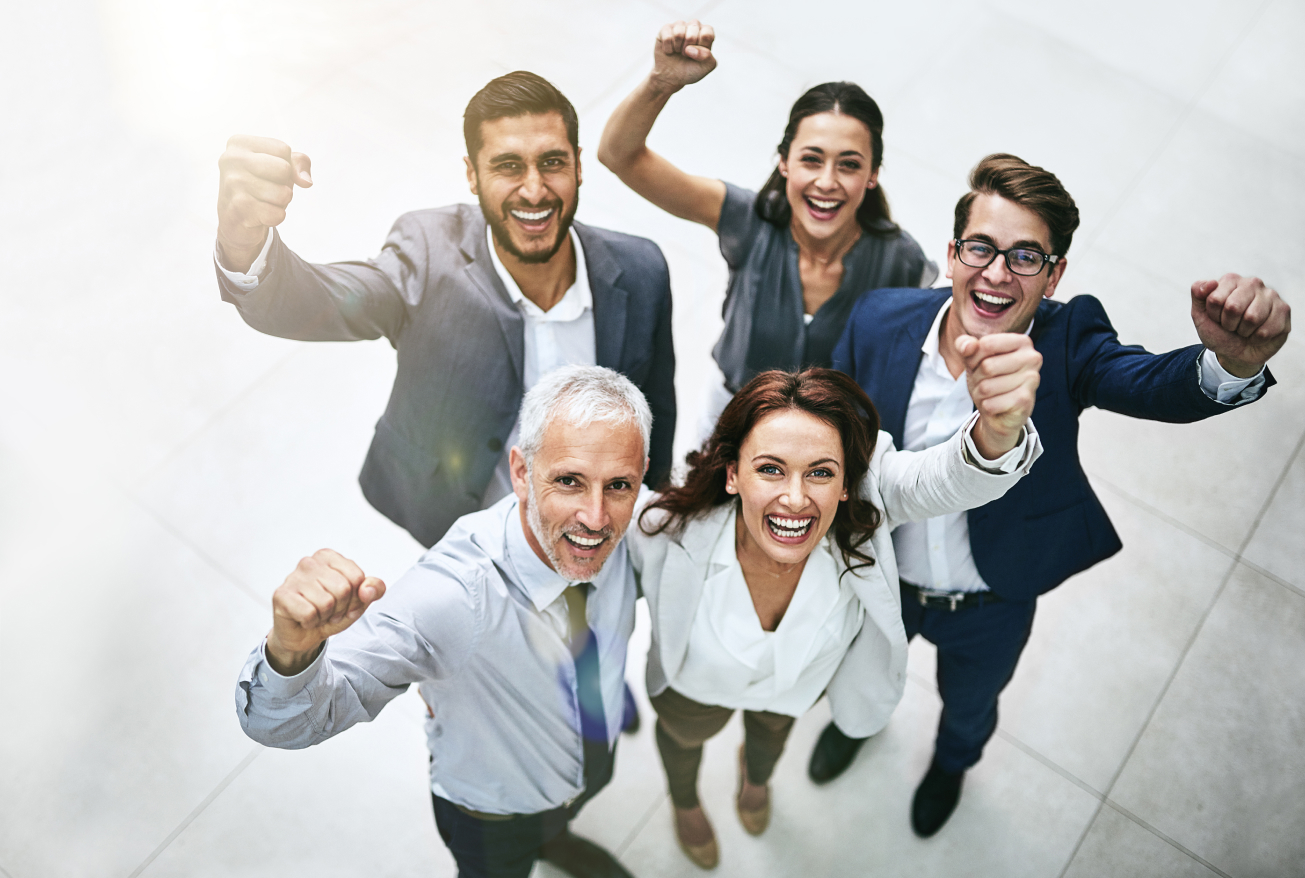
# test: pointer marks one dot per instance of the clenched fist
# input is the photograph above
(324, 595)
(1243, 321)
(682, 55)
(258, 179)
(1002, 371)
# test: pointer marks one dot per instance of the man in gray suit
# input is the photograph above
(479, 301)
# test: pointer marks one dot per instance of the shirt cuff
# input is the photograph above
(279, 686)
(246, 281)
(1019, 457)
(1221, 385)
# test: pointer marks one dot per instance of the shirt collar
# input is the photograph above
(930, 346)
(577, 299)
(541, 583)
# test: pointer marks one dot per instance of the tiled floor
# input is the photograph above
(162, 466)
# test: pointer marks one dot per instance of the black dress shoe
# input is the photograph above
(832, 755)
(582, 858)
(630, 713)
(935, 800)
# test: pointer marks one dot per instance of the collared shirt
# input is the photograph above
(732, 662)
(561, 336)
(935, 553)
(481, 625)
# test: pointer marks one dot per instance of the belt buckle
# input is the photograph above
(952, 598)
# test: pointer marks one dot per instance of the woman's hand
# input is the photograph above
(682, 55)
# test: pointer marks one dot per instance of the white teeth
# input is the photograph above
(584, 543)
(823, 205)
(531, 217)
(992, 300)
(789, 527)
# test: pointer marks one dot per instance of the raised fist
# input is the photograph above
(258, 176)
(1002, 371)
(683, 55)
(324, 595)
(1243, 321)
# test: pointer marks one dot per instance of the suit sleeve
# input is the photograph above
(423, 629)
(659, 388)
(342, 301)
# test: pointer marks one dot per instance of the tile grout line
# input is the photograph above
(1165, 517)
(1172, 133)
(1120, 809)
(191, 817)
(1045, 760)
(1178, 665)
(4, 873)
(643, 822)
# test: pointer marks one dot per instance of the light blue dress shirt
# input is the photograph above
(481, 625)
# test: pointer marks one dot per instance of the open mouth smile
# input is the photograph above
(990, 303)
(788, 528)
(823, 208)
(584, 544)
(533, 220)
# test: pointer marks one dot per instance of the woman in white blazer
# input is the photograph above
(770, 574)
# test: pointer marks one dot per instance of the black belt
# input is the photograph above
(947, 600)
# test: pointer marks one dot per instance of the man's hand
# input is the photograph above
(1002, 371)
(323, 596)
(258, 179)
(682, 55)
(1243, 321)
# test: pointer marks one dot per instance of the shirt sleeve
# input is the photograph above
(247, 281)
(1222, 386)
(425, 628)
(738, 224)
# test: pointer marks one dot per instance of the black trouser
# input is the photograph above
(507, 846)
(978, 649)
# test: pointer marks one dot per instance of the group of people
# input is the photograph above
(870, 471)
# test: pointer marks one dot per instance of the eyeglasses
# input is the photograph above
(1020, 260)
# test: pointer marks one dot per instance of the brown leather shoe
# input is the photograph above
(755, 822)
(705, 854)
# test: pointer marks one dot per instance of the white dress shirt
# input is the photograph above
(561, 336)
(732, 662)
(935, 553)
(481, 625)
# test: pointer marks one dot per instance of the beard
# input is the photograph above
(548, 542)
(498, 221)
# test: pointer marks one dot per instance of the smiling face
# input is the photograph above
(578, 495)
(527, 179)
(828, 170)
(789, 478)
(995, 299)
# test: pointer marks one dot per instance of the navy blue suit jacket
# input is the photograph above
(1050, 525)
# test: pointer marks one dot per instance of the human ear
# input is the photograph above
(731, 478)
(471, 175)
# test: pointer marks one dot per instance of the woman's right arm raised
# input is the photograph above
(681, 57)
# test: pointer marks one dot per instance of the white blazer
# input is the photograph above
(905, 486)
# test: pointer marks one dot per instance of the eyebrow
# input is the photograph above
(1023, 244)
(823, 461)
(852, 152)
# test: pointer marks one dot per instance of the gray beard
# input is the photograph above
(545, 542)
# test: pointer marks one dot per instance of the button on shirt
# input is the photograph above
(935, 553)
(732, 662)
(481, 624)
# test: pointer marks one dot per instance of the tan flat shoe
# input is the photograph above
(755, 822)
(705, 855)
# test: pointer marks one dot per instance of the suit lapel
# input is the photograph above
(683, 578)
(893, 379)
(609, 299)
(480, 271)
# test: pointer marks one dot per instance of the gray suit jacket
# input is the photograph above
(433, 292)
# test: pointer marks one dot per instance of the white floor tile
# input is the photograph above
(1115, 845)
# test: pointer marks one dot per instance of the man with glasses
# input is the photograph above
(970, 581)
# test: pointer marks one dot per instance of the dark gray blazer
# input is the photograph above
(434, 294)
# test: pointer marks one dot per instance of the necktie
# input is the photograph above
(593, 718)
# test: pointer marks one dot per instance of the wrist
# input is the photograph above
(659, 89)
(992, 442)
(238, 256)
(289, 660)
(1239, 368)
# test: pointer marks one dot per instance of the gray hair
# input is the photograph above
(581, 395)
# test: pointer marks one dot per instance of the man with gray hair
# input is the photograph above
(514, 626)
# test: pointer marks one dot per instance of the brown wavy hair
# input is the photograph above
(828, 395)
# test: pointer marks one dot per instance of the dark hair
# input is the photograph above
(849, 99)
(1028, 186)
(516, 94)
(828, 395)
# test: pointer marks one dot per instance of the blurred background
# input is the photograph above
(163, 466)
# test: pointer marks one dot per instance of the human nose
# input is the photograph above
(998, 272)
(593, 512)
(532, 187)
(827, 178)
(795, 492)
